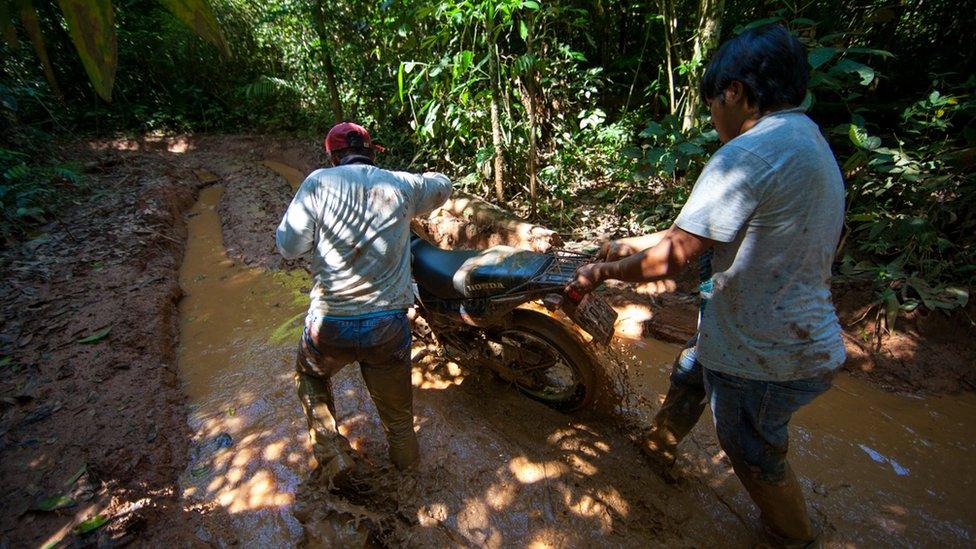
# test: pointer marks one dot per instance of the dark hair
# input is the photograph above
(768, 61)
(355, 140)
(355, 151)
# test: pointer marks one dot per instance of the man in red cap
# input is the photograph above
(354, 219)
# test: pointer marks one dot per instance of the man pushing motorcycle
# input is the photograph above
(354, 219)
(769, 206)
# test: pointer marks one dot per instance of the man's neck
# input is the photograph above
(356, 159)
(754, 118)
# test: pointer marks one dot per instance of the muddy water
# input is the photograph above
(237, 332)
(293, 176)
(879, 468)
(501, 470)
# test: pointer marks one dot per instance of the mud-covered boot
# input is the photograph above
(679, 413)
(783, 510)
(331, 450)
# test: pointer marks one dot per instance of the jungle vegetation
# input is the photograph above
(579, 114)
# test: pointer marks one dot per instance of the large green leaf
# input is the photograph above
(91, 24)
(28, 18)
(91, 524)
(819, 56)
(54, 503)
(865, 72)
(198, 15)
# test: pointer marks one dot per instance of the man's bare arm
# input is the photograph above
(624, 247)
(675, 249)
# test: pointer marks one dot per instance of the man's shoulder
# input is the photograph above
(779, 136)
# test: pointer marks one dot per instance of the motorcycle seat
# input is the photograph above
(434, 268)
(465, 274)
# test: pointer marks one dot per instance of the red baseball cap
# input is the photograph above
(348, 134)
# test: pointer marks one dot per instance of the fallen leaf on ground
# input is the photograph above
(97, 336)
(91, 524)
(41, 412)
(54, 503)
(205, 177)
(74, 478)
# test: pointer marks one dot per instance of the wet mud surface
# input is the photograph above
(210, 438)
(96, 423)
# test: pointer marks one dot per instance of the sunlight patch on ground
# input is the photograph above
(528, 472)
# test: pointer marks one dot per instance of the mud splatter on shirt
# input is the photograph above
(773, 200)
(355, 220)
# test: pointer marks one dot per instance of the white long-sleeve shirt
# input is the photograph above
(355, 220)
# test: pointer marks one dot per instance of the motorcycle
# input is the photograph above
(470, 301)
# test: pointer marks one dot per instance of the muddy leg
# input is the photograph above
(331, 450)
(783, 508)
(682, 408)
(752, 423)
(387, 376)
(392, 393)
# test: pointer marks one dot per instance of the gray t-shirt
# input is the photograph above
(355, 219)
(773, 199)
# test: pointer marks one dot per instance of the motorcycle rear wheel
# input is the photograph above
(569, 382)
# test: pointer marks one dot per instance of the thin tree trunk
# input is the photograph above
(709, 30)
(666, 14)
(496, 127)
(532, 88)
(318, 14)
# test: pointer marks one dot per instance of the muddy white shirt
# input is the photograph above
(773, 199)
(355, 219)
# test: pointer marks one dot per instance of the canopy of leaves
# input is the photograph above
(602, 90)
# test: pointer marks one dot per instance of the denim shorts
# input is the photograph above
(751, 416)
(329, 343)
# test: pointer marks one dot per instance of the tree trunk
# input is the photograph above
(667, 15)
(318, 14)
(496, 126)
(532, 91)
(709, 30)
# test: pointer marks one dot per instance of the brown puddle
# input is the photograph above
(876, 466)
(238, 331)
(501, 470)
(293, 176)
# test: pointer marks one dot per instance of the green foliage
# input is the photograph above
(910, 205)
(670, 153)
(587, 83)
(30, 195)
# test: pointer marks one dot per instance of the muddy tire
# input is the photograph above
(547, 335)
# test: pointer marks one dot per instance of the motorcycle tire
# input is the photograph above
(558, 339)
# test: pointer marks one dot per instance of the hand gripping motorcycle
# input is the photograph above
(470, 301)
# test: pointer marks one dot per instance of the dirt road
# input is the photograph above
(498, 470)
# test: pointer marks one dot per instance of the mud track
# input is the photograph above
(499, 469)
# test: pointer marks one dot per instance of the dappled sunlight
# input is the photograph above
(433, 374)
(250, 446)
(176, 144)
(497, 469)
(528, 472)
(630, 320)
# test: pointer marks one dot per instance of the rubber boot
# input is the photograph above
(331, 450)
(783, 509)
(682, 408)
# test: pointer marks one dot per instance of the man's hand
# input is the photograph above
(588, 278)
